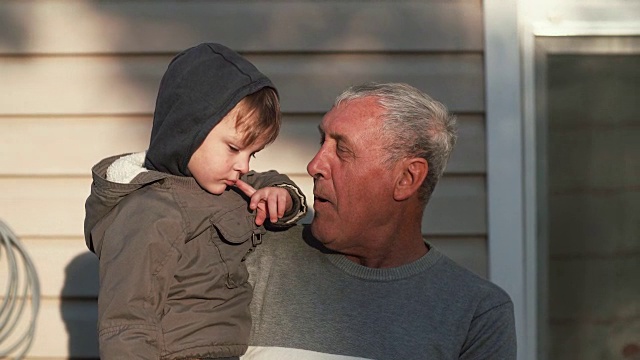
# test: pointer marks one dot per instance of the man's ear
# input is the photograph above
(412, 173)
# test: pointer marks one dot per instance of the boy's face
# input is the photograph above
(222, 158)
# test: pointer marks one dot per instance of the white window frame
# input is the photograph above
(511, 27)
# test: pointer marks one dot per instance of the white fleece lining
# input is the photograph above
(124, 169)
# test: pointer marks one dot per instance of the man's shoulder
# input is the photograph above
(464, 281)
(296, 236)
(294, 232)
(290, 247)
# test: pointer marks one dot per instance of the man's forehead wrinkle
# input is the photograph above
(338, 137)
(332, 134)
(341, 122)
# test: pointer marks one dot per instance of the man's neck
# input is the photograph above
(393, 246)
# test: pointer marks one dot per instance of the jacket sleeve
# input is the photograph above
(298, 210)
(138, 254)
(492, 334)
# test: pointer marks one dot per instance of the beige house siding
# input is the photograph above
(78, 82)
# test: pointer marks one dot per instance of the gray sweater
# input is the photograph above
(311, 304)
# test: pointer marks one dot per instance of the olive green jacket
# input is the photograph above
(173, 283)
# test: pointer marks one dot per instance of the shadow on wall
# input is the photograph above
(79, 306)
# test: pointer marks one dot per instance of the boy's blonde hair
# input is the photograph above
(263, 107)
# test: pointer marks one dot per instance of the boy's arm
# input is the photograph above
(130, 294)
(259, 180)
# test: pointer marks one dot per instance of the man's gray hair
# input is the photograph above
(415, 125)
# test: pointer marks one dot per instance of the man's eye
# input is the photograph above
(253, 155)
(233, 148)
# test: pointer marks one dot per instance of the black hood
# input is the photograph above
(201, 85)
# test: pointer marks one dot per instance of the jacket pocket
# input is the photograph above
(234, 236)
(235, 227)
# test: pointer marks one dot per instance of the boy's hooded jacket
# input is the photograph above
(173, 284)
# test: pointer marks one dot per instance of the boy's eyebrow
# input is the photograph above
(235, 139)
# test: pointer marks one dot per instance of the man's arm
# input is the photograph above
(492, 335)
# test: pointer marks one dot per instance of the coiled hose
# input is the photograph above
(22, 281)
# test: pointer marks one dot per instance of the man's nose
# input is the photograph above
(317, 167)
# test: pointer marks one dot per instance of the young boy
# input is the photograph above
(171, 226)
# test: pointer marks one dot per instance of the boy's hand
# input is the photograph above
(270, 201)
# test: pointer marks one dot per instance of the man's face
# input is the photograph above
(222, 157)
(353, 189)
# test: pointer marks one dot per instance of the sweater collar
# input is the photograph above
(386, 274)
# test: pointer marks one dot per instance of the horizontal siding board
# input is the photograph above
(72, 145)
(79, 85)
(312, 82)
(67, 146)
(54, 207)
(470, 252)
(44, 206)
(64, 266)
(67, 269)
(469, 154)
(65, 329)
(169, 26)
(108, 85)
(458, 206)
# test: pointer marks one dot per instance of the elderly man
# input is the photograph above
(361, 282)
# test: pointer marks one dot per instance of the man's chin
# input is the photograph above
(321, 232)
(314, 227)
